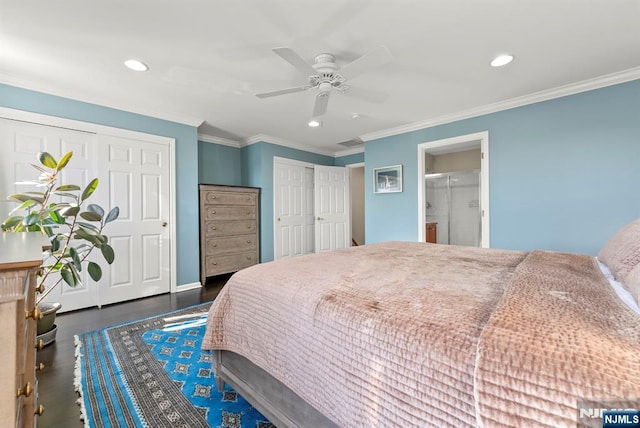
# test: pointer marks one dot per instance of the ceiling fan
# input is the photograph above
(325, 75)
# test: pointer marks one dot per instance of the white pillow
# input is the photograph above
(621, 290)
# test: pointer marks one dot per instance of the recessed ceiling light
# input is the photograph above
(501, 60)
(136, 65)
(314, 123)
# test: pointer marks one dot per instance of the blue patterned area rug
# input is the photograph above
(152, 373)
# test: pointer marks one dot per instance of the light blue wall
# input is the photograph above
(564, 173)
(349, 159)
(257, 171)
(219, 164)
(186, 157)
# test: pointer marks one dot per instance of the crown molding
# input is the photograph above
(282, 142)
(348, 152)
(77, 96)
(219, 140)
(561, 91)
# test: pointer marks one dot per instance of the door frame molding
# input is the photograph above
(452, 143)
(77, 125)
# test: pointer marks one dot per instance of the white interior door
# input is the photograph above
(332, 208)
(133, 175)
(136, 179)
(21, 142)
(292, 209)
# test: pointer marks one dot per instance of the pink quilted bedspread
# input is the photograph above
(413, 334)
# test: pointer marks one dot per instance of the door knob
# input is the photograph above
(164, 224)
(319, 218)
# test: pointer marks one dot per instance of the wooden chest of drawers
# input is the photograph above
(229, 229)
(20, 258)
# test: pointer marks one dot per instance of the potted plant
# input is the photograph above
(73, 227)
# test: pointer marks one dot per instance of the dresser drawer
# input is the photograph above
(222, 228)
(215, 212)
(228, 198)
(231, 244)
(230, 263)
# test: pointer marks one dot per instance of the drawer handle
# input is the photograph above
(26, 391)
(39, 411)
(249, 257)
(213, 196)
(248, 241)
(215, 245)
(40, 345)
(247, 198)
(215, 263)
(40, 289)
(248, 226)
(214, 228)
(35, 314)
(213, 211)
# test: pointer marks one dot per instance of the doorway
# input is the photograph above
(311, 208)
(462, 217)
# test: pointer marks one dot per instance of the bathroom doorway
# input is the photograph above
(453, 190)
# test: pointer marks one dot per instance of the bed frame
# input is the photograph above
(283, 407)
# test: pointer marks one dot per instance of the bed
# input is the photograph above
(414, 334)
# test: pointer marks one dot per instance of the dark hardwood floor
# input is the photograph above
(55, 382)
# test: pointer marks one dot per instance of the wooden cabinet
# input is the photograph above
(431, 233)
(229, 229)
(20, 259)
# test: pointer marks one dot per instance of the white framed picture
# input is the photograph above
(387, 179)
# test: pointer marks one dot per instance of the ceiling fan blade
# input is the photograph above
(320, 107)
(377, 57)
(283, 91)
(296, 60)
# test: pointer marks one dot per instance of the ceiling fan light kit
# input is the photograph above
(325, 75)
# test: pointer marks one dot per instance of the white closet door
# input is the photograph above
(21, 142)
(133, 174)
(332, 208)
(136, 179)
(289, 208)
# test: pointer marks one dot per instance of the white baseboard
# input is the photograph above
(185, 287)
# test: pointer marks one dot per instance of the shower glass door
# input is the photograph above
(453, 202)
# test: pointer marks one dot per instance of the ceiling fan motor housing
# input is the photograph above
(328, 76)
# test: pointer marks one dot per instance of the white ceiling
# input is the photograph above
(209, 58)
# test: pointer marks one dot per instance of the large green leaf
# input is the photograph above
(10, 222)
(31, 219)
(95, 271)
(47, 160)
(113, 214)
(24, 197)
(71, 211)
(83, 234)
(91, 187)
(88, 227)
(76, 259)
(108, 253)
(55, 216)
(94, 208)
(90, 216)
(64, 161)
(67, 188)
(68, 275)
